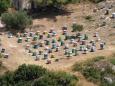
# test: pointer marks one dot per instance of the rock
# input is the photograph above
(113, 68)
(109, 80)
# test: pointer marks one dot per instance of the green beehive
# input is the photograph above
(34, 54)
(73, 50)
(19, 40)
(66, 37)
(25, 35)
(62, 43)
(48, 36)
(85, 37)
(69, 54)
(35, 46)
(37, 33)
(81, 48)
(27, 39)
(35, 38)
(53, 41)
(76, 52)
(47, 42)
(53, 46)
(66, 52)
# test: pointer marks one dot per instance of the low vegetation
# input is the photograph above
(77, 28)
(31, 75)
(98, 70)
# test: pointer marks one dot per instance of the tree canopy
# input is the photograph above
(51, 3)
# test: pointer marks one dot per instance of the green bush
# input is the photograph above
(63, 79)
(92, 74)
(76, 27)
(98, 58)
(77, 67)
(7, 79)
(31, 75)
(17, 20)
(30, 72)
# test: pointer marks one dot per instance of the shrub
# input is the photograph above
(63, 79)
(92, 74)
(56, 79)
(77, 67)
(17, 20)
(98, 58)
(44, 81)
(31, 75)
(29, 72)
(7, 79)
(76, 27)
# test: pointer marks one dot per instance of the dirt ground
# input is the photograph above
(77, 13)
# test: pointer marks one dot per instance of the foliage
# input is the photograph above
(4, 5)
(50, 5)
(77, 27)
(56, 79)
(17, 20)
(31, 75)
(29, 72)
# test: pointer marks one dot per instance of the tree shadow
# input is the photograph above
(50, 13)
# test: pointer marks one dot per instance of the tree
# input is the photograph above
(4, 5)
(17, 20)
